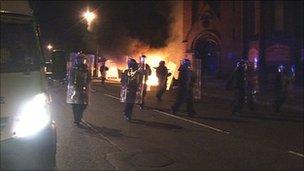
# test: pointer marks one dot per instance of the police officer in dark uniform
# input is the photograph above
(103, 69)
(185, 88)
(146, 72)
(162, 75)
(243, 92)
(130, 81)
(78, 87)
(281, 83)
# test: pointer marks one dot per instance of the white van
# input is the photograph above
(28, 134)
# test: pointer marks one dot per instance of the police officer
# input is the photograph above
(130, 81)
(281, 84)
(185, 88)
(146, 72)
(162, 75)
(78, 87)
(103, 69)
(242, 88)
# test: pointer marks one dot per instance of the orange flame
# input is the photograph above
(153, 60)
(112, 73)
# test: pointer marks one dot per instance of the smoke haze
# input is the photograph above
(131, 28)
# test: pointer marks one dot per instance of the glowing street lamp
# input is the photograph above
(89, 17)
(49, 47)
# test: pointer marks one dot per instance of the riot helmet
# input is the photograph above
(132, 64)
(79, 59)
(186, 63)
(242, 65)
(162, 63)
(142, 59)
(281, 68)
(293, 69)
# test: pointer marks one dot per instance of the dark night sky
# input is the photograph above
(118, 23)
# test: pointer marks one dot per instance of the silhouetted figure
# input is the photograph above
(130, 82)
(185, 88)
(281, 84)
(162, 75)
(146, 72)
(78, 88)
(243, 92)
(103, 70)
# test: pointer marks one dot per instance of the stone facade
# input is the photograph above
(267, 33)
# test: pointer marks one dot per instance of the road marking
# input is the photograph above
(295, 153)
(106, 138)
(193, 122)
(181, 118)
(112, 96)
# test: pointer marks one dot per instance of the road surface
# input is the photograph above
(156, 139)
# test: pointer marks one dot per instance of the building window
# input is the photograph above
(268, 17)
(257, 17)
(206, 19)
(249, 19)
(279, 16)
(215, 6)
(195, 5)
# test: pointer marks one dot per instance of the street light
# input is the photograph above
(49, 47)
(89, 17)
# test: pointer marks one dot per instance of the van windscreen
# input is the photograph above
(20, 50)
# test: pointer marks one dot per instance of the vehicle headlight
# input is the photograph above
(33, 116)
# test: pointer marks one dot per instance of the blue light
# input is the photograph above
(255, 63)
(293, 69)
(280, 68)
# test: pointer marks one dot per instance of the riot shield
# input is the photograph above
(129, 95)
(123, 90)
(139, 94)
(143, 80)
(198, 83)
(123, 94)
(78, 78)
(90, 60)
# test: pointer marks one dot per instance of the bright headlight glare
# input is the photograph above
(33, 116)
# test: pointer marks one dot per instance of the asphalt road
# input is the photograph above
(156, 139)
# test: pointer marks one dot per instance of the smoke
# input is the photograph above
(134, 28)
(122, 27)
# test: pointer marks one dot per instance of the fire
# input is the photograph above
(153, 59)
(153, 62)
(172, 68)
(112, 73)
